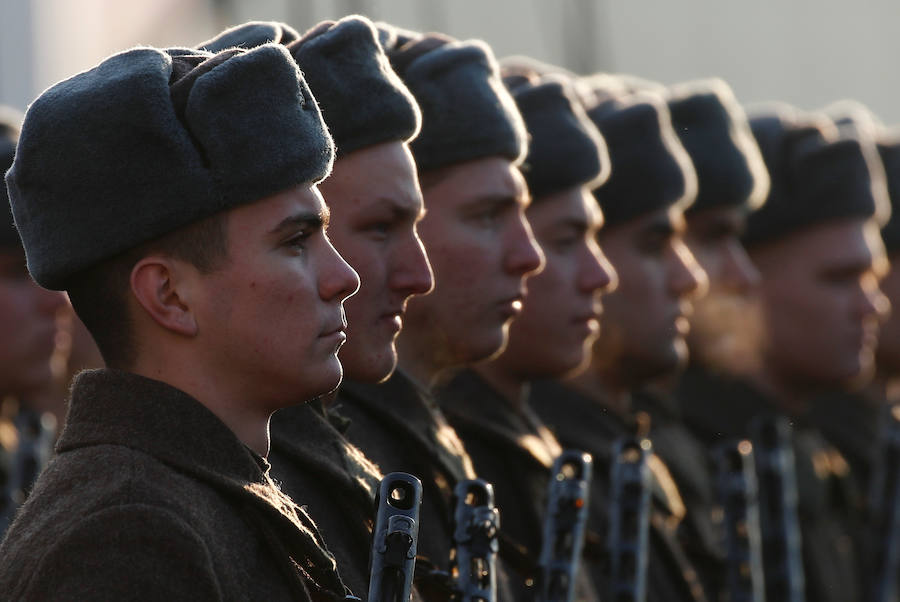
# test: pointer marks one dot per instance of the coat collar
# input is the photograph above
(403, 407)
(473, 404)
(113, 407)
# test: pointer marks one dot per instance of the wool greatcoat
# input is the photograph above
(512, 449)
(152, 497)
(400, 428)
(317, 466)
(717, 408)
(582, 423)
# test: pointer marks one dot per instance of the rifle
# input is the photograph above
(629, 519)
(473, 560)
(564, 525)
(885, 514)
(738, 496)
(778, 520)
(393, 559)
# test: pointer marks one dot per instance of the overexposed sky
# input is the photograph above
(807, 52)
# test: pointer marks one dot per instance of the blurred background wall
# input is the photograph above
(806, 52)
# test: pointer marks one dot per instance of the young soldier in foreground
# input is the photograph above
(642, 328)
(375, 203)
(190, 236)
(488, 404)
(816, 245)
(481, 250)
(732, 182)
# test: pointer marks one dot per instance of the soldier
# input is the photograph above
(852, 421)
(644, 321)
(375, 203)
(481, 250)
(28, 329)
(732, 181)
(488, 404)
(190, 237)
(816, 244)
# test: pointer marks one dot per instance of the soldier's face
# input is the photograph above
(272, 317)
(822, 303)
(375, 204)
(28, 326)
(645, 320)
(481, 250)
(559, 320)
(725, 327)
(888, 354)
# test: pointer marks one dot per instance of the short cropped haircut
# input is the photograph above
(100, 294)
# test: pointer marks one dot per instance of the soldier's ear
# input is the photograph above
(159, 285)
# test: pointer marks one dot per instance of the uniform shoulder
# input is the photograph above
(108, 554)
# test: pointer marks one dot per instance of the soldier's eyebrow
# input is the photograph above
(401, 208)
(303, 219)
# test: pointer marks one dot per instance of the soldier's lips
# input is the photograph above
(392, 319)
(510, 307)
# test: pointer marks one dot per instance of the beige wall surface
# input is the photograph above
(805, 52)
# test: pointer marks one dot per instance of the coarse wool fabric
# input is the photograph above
(172, 140)
(362, 100)
(152, 496)
(650, 168)
(715, 133)
(467, 113)
(337, 484)
(250, 35)
(889, 150)
(565, 150)
(9, 133)
(817, 175)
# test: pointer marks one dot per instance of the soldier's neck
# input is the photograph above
(789, 398)
(607, 392)
(246, 414)
(511, 387)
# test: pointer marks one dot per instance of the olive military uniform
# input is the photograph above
(325, 473)
(718, 408)
(582, 423)
(151, 495)
(513, 450)
(400, 428)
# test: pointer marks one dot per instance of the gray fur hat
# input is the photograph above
(650, 168)
(361, 98)
(467, 113)
(343, 62)
(714, 130)
(817, 174)
(146, 143)
(251, 35)
(9, 135)
(565, 149)
(889, 150)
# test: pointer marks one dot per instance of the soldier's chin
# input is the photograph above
(488, 347)
(862, 371)
(370, 365)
